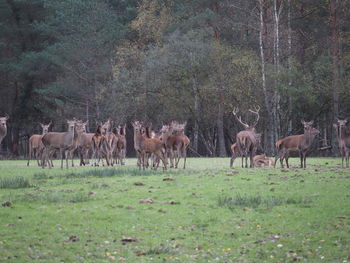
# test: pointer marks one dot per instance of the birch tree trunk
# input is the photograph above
(196, 113)
(268, 92)
(334, 40)
(277, 9)
(220, 89)
(290, 105)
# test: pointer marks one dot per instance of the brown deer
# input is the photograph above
(3, 128)
(262, 160)
(145, 146)
(181, 143)
(85, 146)
(101, 147)
(343, 137)
(35, 146)
(300, 143)
(120, 149)
(81, 129)
(247, 140)
(235, 152)
(61, 141)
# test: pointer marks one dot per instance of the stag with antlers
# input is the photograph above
(301, 143)
(343, 137)
(247, 142)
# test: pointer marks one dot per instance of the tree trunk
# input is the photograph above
(335, 82)
(220, 89)
(268, 92)
(196, 113)
(290, 102)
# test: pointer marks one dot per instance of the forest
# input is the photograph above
(185, 60)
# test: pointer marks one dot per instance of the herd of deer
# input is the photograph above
(169, 143)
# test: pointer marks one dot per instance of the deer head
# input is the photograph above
(45, 128)
(3, 121)
(71, 124)
(106, 127)
(308, 127)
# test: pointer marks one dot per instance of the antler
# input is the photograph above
(234, 112)
(256, 112)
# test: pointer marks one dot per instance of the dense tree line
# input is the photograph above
(161, 60)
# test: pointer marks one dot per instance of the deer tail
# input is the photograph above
(279, 144)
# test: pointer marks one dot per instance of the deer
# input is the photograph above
(120, 149)
(262, 160)
(180, 144)
(101, 146)
(62, 141)
(111, 140)
(235, 152)
(3, 127)
(301, 143)
(144, 146)
(85, 146)
(35, 145)
(343, 137)
(247, 142)
(81, 129)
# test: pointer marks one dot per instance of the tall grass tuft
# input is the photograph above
(14, 182)
(121, 171)
(256, 201)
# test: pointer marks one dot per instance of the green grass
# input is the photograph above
(206, 213)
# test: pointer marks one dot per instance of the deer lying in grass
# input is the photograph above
(343, 137)
(301, 143)
(247, 142)
(35, 146)
(3, 128)
(120, 149)
(145, 145)
(61, 141)
(262, 160)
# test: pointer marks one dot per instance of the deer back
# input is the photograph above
(35, 141)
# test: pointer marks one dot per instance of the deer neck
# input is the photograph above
(137, 139)
(3, 131)
(308, 138)
(343, 132)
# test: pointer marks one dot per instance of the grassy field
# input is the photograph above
(206, 213)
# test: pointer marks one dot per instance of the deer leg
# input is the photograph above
(251, 165)
(159, 155)
(185, 157)
(276, 158)
(72, 157)
(232, 160)
(38, 156)
(301, 160)
(67, 157)
(287, 163)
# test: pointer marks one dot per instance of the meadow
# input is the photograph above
(206, 213)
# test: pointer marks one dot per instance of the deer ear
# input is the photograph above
(311, 122)
(303, 122)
